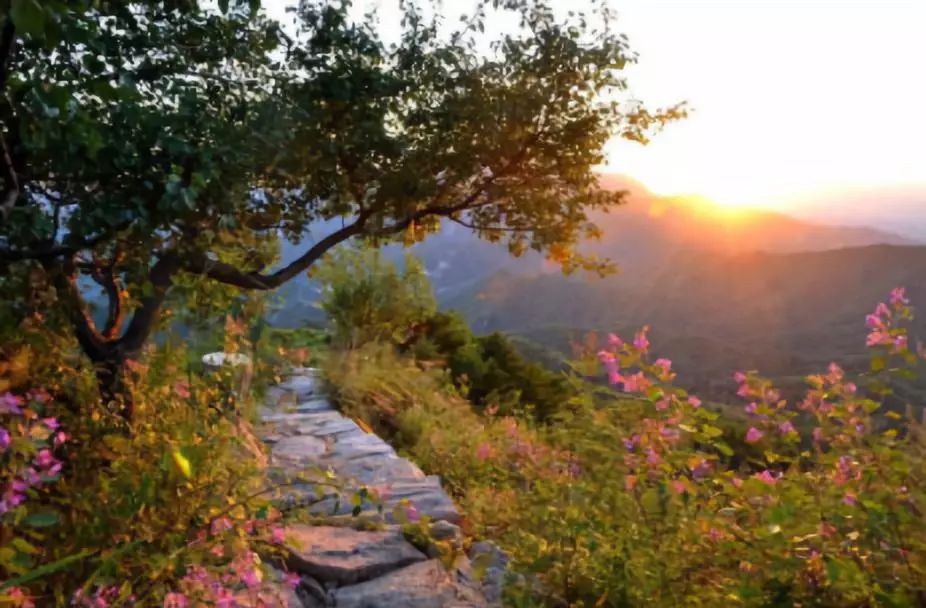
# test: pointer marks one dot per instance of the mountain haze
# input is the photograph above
(722, 289)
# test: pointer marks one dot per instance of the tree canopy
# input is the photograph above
(146, 142)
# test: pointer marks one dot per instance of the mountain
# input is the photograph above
(646, 236)
(722, 289)
(713, 313)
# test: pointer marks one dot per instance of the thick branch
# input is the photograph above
(69, 248)
(91, 340)
(146, 316)
(109, 280)
(231, 275)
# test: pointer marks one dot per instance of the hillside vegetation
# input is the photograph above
(636, 492)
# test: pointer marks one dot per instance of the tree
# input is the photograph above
(147, 144)
(367, 299)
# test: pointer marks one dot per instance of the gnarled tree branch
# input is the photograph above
(231, 275)
(111, 283)
(91, 340)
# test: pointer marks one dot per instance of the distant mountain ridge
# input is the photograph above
(644, 237)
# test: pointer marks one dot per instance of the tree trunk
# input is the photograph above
(111, 381)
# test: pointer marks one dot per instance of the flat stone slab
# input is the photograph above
(299, 448)
(314, 405)
(345, 555)
(421, 585)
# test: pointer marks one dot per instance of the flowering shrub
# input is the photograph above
(648, 496)
(28, 441)
(172, 511)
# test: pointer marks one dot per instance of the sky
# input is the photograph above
(813, 107)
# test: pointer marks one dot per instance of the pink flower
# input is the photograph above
(631, 443)
(818, 434)
(292, 579)
(250, 577)
(753, 435)
(606, 357)
(694, 401)
(412, 513)
(640, 341)
(835, 373)
(10, 404)
(882, 311)
(878, 338)
(875, 322)
(898, 296)
(653, 458)
(678, 486)
(44, 459)
(766, 477)
(739, 377)
(51, 423)
(900, 344)
(224, 598)
(175, 600)
(182, 389)
(786, 427)
(277, 535)
(60, 438)
(850, 499)
(615, 341)
(218, 551)
(665, 368)
(662, 405)
(4, 439)
(19, 597)
(614, 377)
(484, 451)
(750, 408)
(220, 525)
(636, 383)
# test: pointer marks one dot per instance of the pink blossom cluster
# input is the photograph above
(102, 597)
(647, 449)
(632, 382)
(16, 477)
(882, 323)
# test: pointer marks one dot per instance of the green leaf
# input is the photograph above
(41, 520)
(23, 546)
(45, 570)
(28, 17)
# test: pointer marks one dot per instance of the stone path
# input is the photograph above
(347, 568)
(308, 432)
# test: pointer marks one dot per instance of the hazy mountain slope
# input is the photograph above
(643, 237)
(714, 313)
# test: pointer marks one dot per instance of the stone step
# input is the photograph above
(345, 556)
(421, 585)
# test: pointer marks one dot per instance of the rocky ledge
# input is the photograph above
(344, 567)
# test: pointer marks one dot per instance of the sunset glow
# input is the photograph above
(791, 99)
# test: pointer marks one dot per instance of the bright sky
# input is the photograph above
(797, 104)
